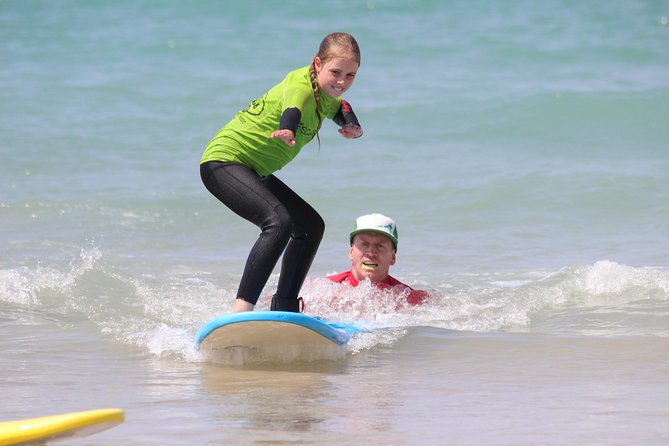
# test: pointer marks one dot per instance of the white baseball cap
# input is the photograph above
(376, 223)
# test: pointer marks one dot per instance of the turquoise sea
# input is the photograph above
(522, 148)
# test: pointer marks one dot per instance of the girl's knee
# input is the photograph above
(279, 223)
(318, 227)
(312, 228)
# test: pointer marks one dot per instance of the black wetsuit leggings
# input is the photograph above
(284, 219)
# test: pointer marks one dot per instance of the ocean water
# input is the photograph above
(522, 148)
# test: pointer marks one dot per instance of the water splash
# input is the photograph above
(25, 285)
(161, 314)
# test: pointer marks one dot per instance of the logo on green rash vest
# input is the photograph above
(306, 131)
(256, 106)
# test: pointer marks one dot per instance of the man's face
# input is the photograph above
(372, 254)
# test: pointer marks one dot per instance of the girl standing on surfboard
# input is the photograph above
(238, 164)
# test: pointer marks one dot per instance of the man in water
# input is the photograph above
(373, 251)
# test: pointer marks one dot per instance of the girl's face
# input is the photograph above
(336, 75)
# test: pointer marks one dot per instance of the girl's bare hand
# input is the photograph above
(350, 131)
(286, 136)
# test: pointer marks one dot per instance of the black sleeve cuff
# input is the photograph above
(345, 115)
(290, 119)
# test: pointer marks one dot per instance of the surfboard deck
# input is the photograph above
(58, 427)
(274, 334)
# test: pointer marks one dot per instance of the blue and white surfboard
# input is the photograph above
(273, 331)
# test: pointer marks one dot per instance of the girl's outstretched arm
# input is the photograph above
(350, 127)
(290, 119)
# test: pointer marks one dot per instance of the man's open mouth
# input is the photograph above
(369, 266)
